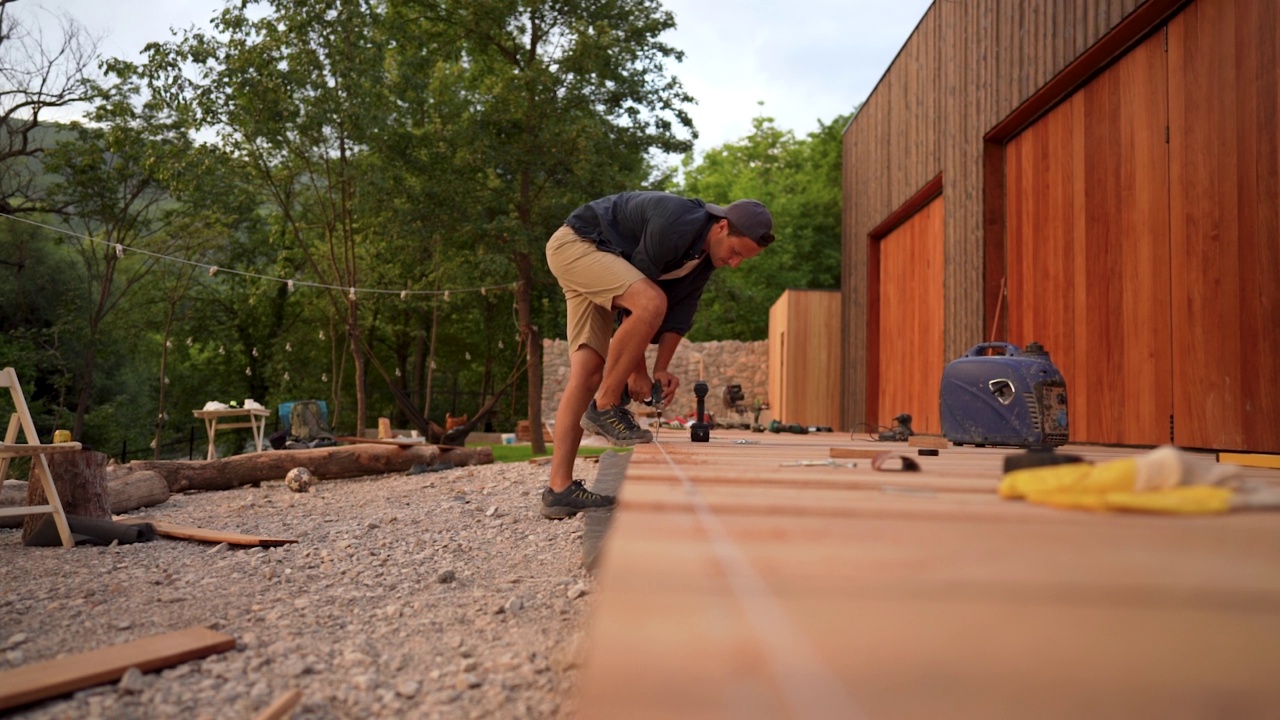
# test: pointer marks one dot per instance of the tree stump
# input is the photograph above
(81, 481)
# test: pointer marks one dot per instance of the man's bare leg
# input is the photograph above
(648, 305)
(585, 366)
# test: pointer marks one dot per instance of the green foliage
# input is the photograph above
(416, 145)
(799, 180)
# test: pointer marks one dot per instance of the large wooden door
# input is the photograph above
(1088, 249)
(911, 320)
(1224, 139)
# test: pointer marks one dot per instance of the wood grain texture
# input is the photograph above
(862, 594)
(1088, 249)
(1225, 161)
(967, 67)
(805, 376)
(910, 305)
(51, 678)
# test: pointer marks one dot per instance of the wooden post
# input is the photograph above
(81, 481)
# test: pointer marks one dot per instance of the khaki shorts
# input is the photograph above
(591, 278)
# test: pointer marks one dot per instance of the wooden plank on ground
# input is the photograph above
(189, 532)
(51, 678)
(1258, 460)
(928, 441)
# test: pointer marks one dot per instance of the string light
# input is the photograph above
(286, 376)
(248, 371)
(213, 269)
(190, 342)
(351, 293)
(288, 347)
(222, 350)
(255, 352)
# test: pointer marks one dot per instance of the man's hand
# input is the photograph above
(669, 385)
(639, 386)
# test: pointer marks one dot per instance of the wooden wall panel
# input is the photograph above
(910, 309)
(1088, 249)
(1123, 342)
(1225, 158)
(804, 358)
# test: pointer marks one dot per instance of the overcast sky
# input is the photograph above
(805, 59)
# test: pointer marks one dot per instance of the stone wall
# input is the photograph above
(719, 363)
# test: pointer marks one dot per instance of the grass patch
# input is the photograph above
(524, 452)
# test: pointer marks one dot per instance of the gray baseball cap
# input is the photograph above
(748, 217)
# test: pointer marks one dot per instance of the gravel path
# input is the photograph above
(442, 595)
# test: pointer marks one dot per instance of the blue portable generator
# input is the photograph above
(1018, 398)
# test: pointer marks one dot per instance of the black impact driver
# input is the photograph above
(700, 431)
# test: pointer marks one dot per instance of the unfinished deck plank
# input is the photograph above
(919, 603)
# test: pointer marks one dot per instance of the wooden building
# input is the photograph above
(1100, 176)
(804, 358)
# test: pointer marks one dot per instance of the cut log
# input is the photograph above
(341, 461)
(13, 494)
(137, 490)
(81, 480)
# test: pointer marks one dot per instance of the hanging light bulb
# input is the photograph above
(290, 284)
(255, 352)
(499, 344)
(288, 347)
(119, 250)
(286, 376)
(468, 354)
(433, 364)
(166, 381)
(322, 334)
(324, 377)
(351, 293)
(190, 341)
(248, 371)
(168, 343)
(484, 291)
(222, 350)
(446, 296)
(397, 372)
(212, 270)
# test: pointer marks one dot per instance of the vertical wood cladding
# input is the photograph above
(910, 344)
(1224, 146)
(966, 67)
(1088, 249)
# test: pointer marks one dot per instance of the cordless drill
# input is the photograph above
(700, 430)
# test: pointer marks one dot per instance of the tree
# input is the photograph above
(37, 75)
(299, 95)
(115, 181)
(799, 179)
(566, 99)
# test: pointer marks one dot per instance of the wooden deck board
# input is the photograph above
(947, 603)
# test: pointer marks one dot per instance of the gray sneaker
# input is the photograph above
(572, 500)
(616, 424)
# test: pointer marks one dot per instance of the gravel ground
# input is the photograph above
(442, 595)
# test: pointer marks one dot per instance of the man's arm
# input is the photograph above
(667, 345)
(639, 384)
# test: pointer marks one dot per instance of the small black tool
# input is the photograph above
(900, 431)
(700, 430)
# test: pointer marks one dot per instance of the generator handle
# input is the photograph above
(1009, 349)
